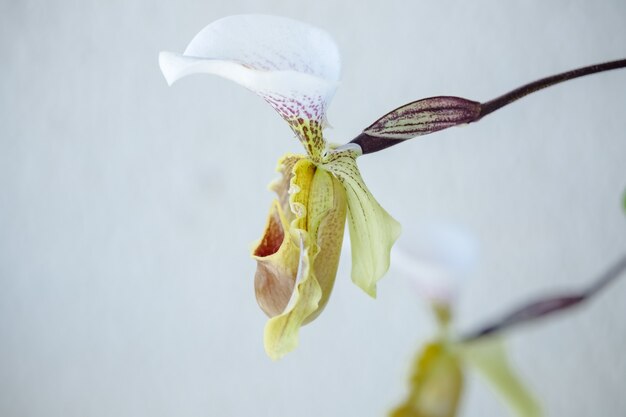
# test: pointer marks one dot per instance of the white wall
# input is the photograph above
(127, 208)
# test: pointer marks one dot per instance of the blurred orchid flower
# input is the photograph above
(439, 263)
(295, 68)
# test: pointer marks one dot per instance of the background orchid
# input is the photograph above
(438, 264)
(295, 68)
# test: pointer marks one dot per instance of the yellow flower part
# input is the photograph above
(436, 384)
(298, 254)
(489, 357)
(372, 230)
(295, 68)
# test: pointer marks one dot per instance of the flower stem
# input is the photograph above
(512, 96)
(546, 306)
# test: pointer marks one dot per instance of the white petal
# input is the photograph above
(438, 261)
(294, 66)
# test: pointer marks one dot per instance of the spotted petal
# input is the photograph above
(372, 230)
(294, 66)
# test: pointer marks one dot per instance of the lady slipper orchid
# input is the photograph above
(439, 263)
(295, 68)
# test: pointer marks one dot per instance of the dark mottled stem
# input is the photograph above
(432, 114)
(549, 305)
(508, 98)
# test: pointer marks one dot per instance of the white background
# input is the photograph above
(127, 208)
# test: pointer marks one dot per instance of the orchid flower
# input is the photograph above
(295, 68)
(439, 264)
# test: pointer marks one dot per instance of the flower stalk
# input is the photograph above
(546, 306)
(432, 114)
(490, 106)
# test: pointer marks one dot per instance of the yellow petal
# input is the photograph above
(318, 205)
(326, 222)
(299, 190)
(281, 186)
(372, 230)
(489, 357)
(436, 384)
